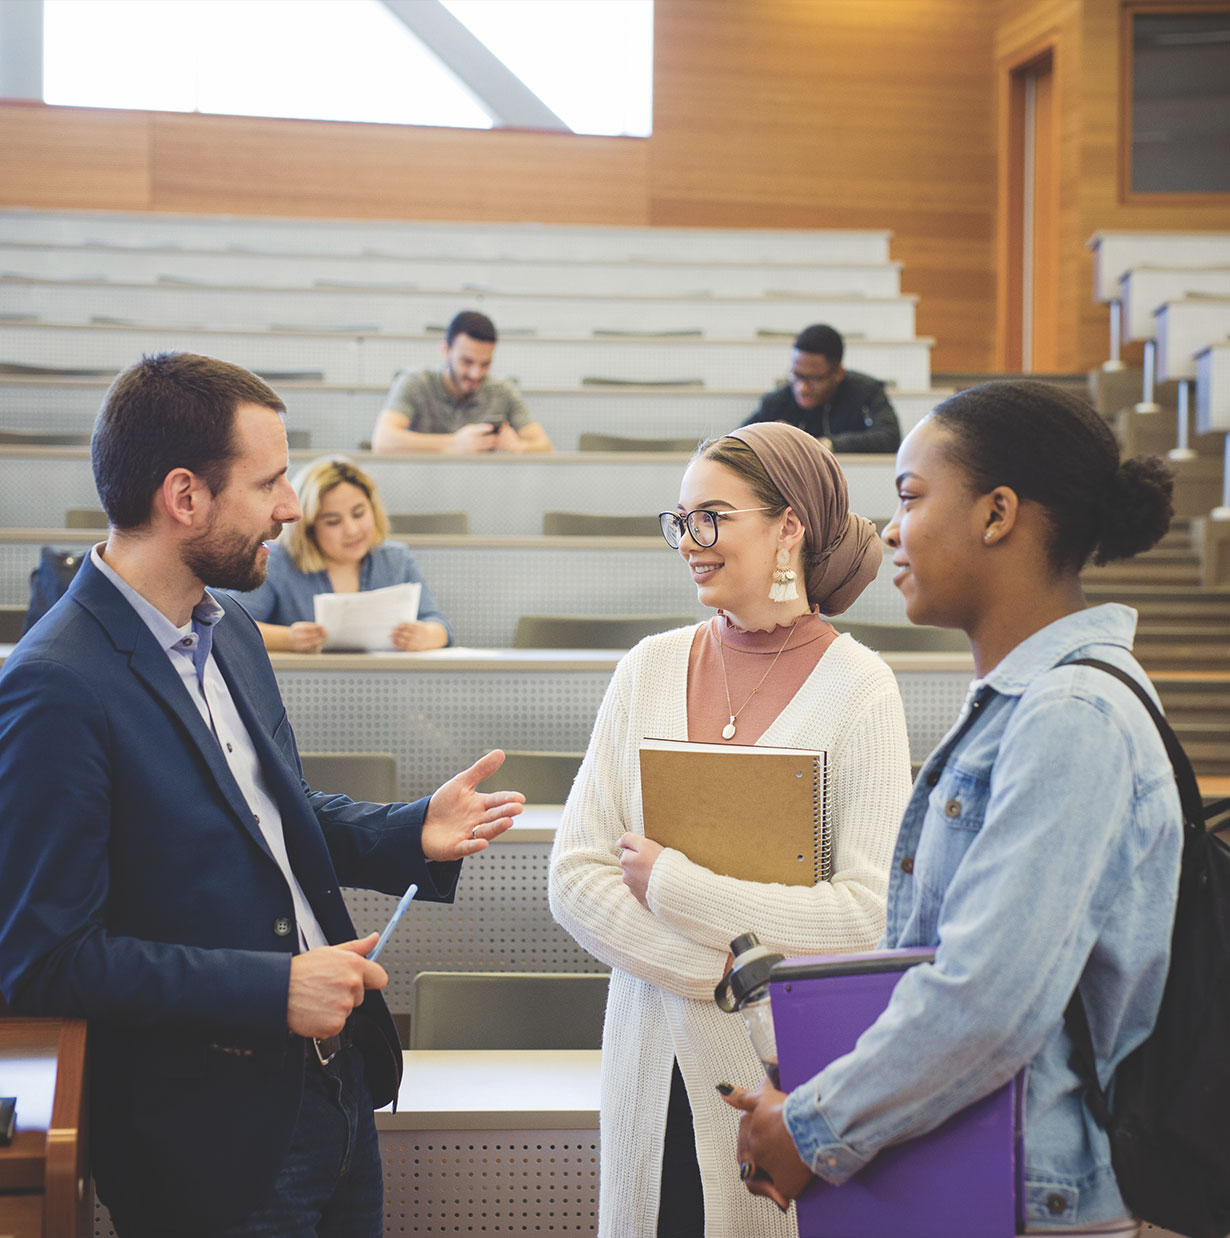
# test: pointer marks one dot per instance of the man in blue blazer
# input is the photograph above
(165, 871)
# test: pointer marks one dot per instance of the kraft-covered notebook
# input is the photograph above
(757, 813)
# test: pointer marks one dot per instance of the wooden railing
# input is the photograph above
(44, 1173)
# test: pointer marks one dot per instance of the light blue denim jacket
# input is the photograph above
(1046, 854)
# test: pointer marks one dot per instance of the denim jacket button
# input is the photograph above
(907, 865)
(953, 808)
(1055, 1203)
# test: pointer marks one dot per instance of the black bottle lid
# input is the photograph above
(748, 976)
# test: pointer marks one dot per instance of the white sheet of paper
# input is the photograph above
(366, 620)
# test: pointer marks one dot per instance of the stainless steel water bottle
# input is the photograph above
(745, 988)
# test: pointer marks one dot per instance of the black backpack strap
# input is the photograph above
(1084, 1061)
(1185, 776)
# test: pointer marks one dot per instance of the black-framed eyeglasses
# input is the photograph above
(700, 523)
(811, 380)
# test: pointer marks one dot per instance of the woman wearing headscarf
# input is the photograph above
(764, 527)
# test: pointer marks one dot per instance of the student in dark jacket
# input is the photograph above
(845, 410)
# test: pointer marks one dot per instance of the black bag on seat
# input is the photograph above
(50, 580)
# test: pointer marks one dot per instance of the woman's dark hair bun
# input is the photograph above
(1137, 509)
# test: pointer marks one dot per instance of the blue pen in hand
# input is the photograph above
(393, 919)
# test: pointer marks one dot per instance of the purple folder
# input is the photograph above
(961, 1180)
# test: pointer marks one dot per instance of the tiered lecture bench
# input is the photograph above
(503, 495)
(484, 584)
(339, 418)
(361, 356)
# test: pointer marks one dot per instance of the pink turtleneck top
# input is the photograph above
(748, 656)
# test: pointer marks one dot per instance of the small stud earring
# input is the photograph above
(987, 537)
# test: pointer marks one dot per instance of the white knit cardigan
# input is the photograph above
(666, 961)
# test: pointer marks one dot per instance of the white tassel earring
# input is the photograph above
(783, 588)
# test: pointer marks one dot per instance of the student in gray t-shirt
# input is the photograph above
(457, 408)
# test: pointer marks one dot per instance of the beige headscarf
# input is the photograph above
(842, 551)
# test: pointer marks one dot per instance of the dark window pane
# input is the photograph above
(1181, 103)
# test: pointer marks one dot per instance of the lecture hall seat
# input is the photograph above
(508, 1010)
(590, 632)
(542, 777)
(370, 776)
(429, 522)
(599, 524)
(590, 441)
(905, 637)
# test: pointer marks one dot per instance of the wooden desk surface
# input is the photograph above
(27, 1071)
(497, 1089)
(537, 823)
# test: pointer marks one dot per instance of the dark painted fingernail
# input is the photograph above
(745, 1170)
(782, 1206)
(725, 1088)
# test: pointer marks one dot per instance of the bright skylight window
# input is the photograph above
(313, 59)
(589, 61)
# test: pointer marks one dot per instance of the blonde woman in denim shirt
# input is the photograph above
(338, 546)
(1044, 855)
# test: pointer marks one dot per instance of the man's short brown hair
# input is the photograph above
(167, 411)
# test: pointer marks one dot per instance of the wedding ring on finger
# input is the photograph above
(474, 832)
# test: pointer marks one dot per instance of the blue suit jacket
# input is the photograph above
(136, 890)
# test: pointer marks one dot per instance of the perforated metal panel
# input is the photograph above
(932, 701)
(102, 1220)
(484, 592)
(480, 1182)
(436, 722)
(505, 1182)
(500, 921)
(484, 589)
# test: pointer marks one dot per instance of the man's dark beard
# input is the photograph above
(226, 561)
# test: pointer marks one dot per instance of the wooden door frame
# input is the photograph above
(1010, 223)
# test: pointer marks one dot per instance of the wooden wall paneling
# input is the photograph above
(842, 115)
(250, 165)
(74, 157)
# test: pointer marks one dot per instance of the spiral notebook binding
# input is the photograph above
(821, 818)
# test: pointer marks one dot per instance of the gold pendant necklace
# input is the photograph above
(728, 731)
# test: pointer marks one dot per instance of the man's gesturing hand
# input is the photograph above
(460, 820)
(327, 983)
